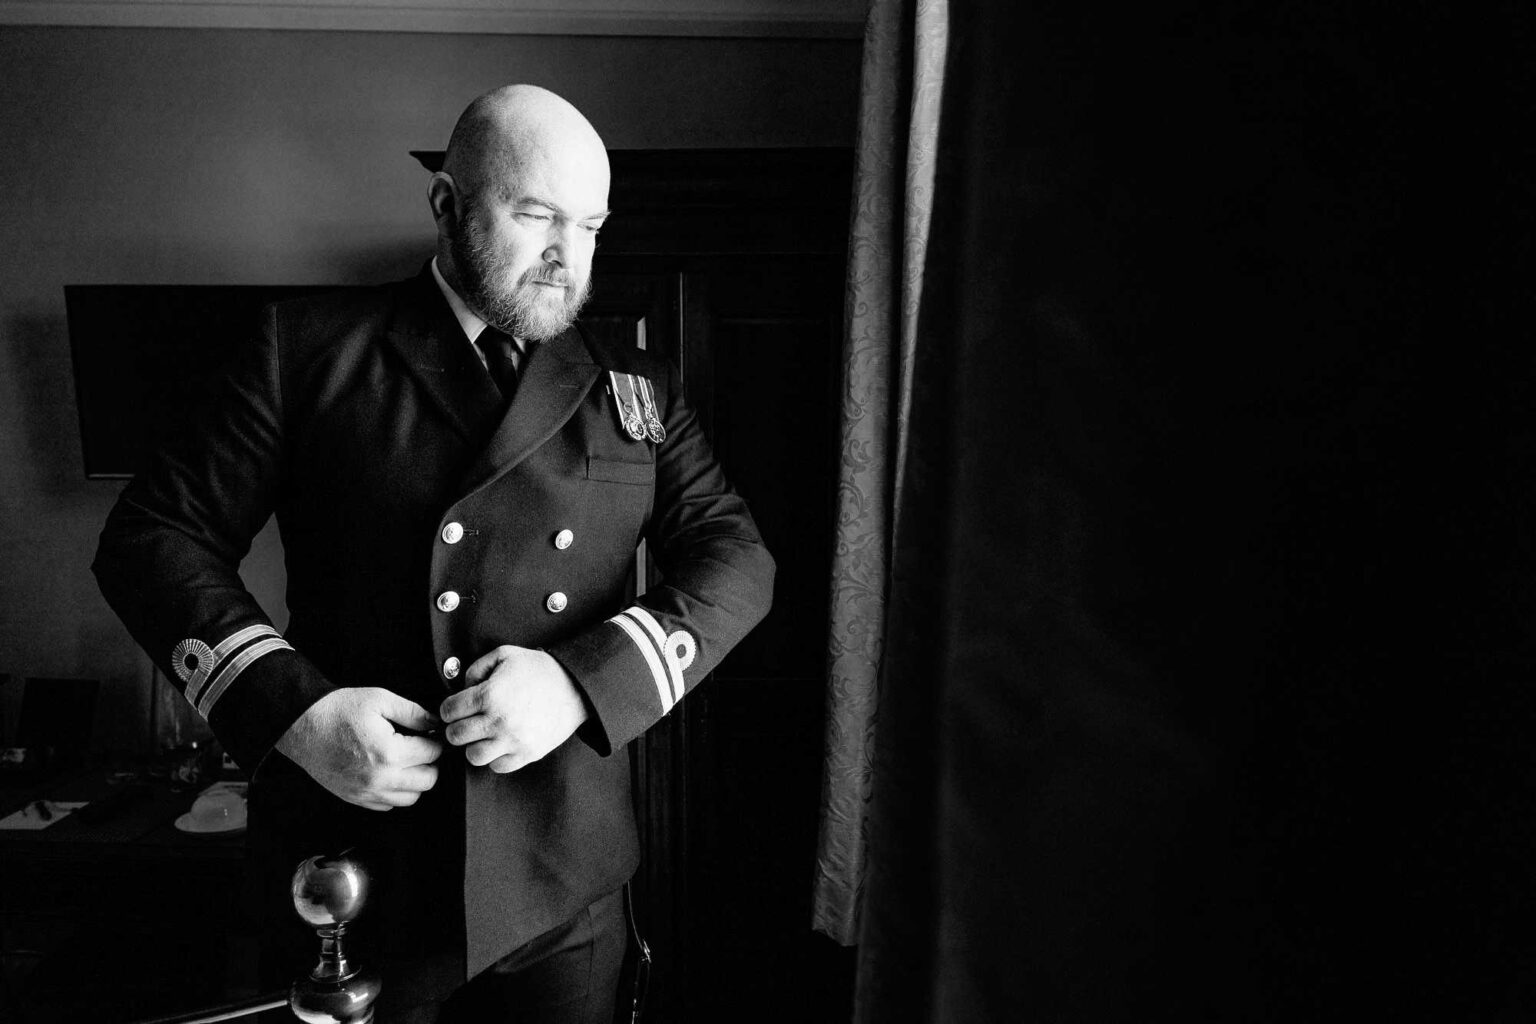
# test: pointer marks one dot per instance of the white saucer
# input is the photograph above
(186, 823)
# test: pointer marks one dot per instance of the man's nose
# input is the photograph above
(559, 244)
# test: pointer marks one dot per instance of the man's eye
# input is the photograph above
(540, 217)
(591, 229)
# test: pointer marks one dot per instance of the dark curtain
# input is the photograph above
(899, 101)
(1207, 690)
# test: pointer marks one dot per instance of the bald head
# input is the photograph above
(518, 204)
(507, 130)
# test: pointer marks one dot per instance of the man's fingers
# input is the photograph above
(405, 712)
(410, 750)
(496, 758)
(507, 763)
(484, 665)
(469, 730)
(401, 788)
(395, 798)
(416, 779)
(466, 702)
(367, 800)
(484, 752)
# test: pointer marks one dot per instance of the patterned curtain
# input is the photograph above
(904, 50)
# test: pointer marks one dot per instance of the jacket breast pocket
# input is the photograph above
(615, 471)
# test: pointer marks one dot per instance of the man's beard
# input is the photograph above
(521, 307)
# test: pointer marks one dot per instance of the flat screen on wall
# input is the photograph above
(146, 355)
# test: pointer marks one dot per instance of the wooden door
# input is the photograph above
(731, 264)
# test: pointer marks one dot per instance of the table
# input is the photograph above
(113, 914)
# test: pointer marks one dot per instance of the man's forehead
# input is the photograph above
(576, 179)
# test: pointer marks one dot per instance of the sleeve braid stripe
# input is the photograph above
(239, 664)
(209, 666)
(652, 658)
(674, 669)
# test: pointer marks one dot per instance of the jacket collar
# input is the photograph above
(554, 380)
(555, 377)
(427, 337)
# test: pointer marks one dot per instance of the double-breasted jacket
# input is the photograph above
(422, 527)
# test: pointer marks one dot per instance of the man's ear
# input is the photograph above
(443, 197)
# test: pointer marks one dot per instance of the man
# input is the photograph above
(461, 478)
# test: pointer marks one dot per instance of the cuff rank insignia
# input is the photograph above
(208, 671)
(666, 656)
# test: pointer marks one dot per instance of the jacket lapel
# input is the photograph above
(552, 385)
(429, 340)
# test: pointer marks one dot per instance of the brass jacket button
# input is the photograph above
(451, 668)
(555, 602)
(453, 533)
(447, 601)
(563, 539)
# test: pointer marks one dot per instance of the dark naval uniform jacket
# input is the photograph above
(422, 528)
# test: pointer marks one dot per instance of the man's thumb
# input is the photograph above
(408, 714)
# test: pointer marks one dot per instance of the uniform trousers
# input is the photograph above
(568, 975)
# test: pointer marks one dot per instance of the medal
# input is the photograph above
(633, 424)
(626, 403)
(653, 427)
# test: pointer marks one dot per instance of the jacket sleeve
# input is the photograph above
(717, 584)
(169, 557)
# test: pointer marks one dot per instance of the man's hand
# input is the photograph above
(517, 706)
(351, 742)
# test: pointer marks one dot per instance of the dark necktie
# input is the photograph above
(500, 359)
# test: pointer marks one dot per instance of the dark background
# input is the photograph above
(1231, 365)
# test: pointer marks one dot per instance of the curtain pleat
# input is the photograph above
(901, 92)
